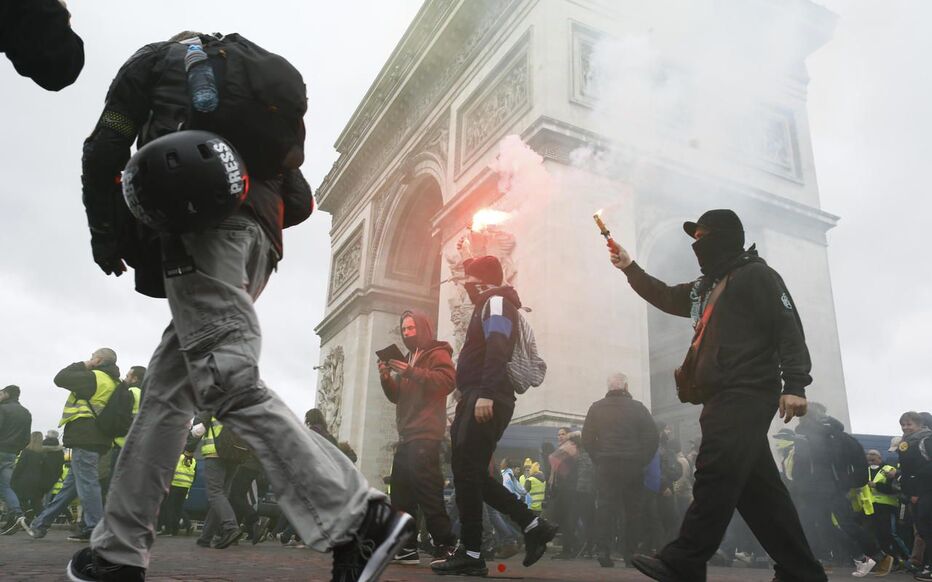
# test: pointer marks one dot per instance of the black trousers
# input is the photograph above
(240, 489)
(170, 513)
(417, 482)
(620, 492)
(883, 525)
(735, 470)
(473, 446)
(30, 500)
(564, 501)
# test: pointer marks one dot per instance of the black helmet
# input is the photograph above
(185, 182)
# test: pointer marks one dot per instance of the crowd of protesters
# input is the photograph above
(618, 485)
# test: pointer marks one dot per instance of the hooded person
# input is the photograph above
(419, 386)
(15, 424)
(482, 415)
(748, 359)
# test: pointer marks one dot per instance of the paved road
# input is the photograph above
(178, 559)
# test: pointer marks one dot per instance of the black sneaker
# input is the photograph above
(460, 564)
(442, 553)
(260, 531)
(87, 566)
(227, 539)
(383, 532)
(82, 536)
(536, 540)
(203, 543)
(653, 567)
(407, 557)
(10, 526)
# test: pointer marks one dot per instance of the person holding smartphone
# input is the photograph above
(418, 385)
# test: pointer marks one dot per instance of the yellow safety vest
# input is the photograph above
(208, 444)
(76, 408)
(56, 489)
(137, 395)
(184, 475)
(537, 489)
(868, 497)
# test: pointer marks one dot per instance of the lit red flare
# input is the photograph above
(488, 217)
(602, 228)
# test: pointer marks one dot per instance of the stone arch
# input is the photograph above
(407, 259)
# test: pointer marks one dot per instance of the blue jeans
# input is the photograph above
(82, 483)
(7, 461)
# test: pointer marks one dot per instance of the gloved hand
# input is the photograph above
(107, 254)
(198, 430)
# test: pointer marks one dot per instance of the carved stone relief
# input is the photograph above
(585, 88)
(777, 146)
(346, 264)
(487, 114)
(491, 241)
(330, 393)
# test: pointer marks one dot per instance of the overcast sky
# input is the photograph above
(869, 110)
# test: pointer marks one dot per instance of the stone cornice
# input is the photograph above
(419, 34)
(544, 417)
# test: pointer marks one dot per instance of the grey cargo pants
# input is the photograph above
(208, 360)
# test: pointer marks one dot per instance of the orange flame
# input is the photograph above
(488, 217)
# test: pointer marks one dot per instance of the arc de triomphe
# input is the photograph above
(414, 167)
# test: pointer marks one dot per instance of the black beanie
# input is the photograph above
(487, 269)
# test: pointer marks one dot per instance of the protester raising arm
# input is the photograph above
(673, 300)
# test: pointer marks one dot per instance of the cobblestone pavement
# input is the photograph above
(178, 559)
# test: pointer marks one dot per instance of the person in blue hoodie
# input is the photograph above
(484, 410)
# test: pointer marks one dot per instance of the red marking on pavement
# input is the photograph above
(501, 567)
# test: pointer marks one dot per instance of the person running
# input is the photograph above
(208, 355)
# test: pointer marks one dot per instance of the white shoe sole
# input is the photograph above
(383, 554)
(71, 575)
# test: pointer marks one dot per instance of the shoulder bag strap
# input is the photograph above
(707, 312)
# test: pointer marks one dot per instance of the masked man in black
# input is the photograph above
(753, 361)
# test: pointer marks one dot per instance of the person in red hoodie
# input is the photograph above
(419, 387)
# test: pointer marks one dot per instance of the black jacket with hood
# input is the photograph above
(619, 429)
(754, 338)
(15, 426)
(490, 340)
(83, 432)
(421, 392)
(916, 463)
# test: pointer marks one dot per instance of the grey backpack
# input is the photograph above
(526, 368)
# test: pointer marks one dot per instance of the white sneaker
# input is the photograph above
(862, 569)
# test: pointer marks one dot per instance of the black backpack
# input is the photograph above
(262, 102)
(849, 463)
(117, 415)
(230, 447)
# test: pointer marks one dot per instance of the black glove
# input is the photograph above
(105, 248)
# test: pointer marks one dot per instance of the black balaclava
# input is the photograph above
(723, 242)
(717, 248)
